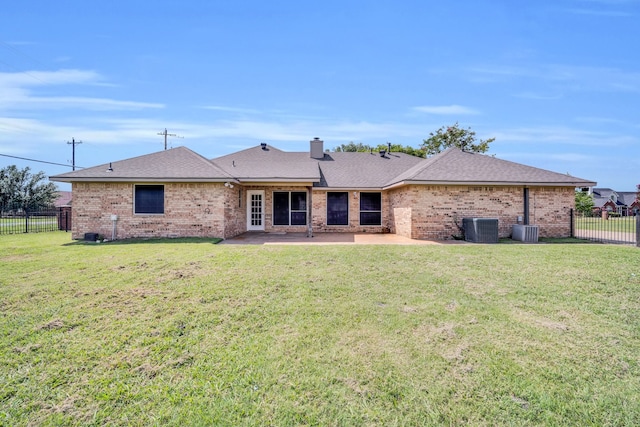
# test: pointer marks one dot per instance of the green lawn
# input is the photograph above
(192, 333)
(625, 224)
(35, 224)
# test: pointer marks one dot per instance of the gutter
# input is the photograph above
(492, 183)
(141, 179)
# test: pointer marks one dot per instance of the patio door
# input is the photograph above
(255, 210)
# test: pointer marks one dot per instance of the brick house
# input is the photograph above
(624, 203)
(176, 193)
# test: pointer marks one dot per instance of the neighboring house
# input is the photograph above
(63, 200)
(63, 206)
(625, 203)
(177, 192)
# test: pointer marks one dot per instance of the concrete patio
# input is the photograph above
(262, 238)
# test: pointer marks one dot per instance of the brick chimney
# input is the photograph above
(316, 148)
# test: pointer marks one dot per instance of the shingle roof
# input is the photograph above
(269, 164)
(176, 164)
(334, 170)
(364, 170)
(64, 199)
(603, 195)
(627, 197)
(455, 166)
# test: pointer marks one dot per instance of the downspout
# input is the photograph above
(310, 212)
(526, 205)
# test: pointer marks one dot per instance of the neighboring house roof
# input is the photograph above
(64, 199)
(602, 192)
(601, 203)
(602, 196)
(454, 166)
(627, 197)
(176, 164)
(335, 170)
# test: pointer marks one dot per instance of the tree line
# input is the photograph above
(438, 141)
(21, 189)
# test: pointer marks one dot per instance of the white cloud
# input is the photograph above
(231, 109)
(575, 78)
(446, 110)
(78, 102)
(18, 92)
(39, 78)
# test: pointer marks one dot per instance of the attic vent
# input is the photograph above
(263, 145)
(382, 153)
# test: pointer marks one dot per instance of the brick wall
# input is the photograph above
(268, 208)
(436, 212)
(415, 211)
(191, 209)
(320, 215)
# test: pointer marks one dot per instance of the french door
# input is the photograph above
(255, 210)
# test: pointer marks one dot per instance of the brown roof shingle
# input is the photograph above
(339, 170)
(455, 166)
(176, 164)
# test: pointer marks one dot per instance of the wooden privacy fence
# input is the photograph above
(606, 228)
(17, 220)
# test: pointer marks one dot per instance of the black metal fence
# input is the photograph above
(606, 227)
(14, 220)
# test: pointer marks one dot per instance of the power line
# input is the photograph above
(39, 161)
(18, 51)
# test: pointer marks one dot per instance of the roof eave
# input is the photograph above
(303, 181)
(139, 179)
(352, 188)
(494, 183)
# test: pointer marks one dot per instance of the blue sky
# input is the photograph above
(557, 83)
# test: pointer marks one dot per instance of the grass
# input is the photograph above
(35, 224)
(193, 333)
(625, 224)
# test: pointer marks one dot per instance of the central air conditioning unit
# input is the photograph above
(525, 233)
(480, 230)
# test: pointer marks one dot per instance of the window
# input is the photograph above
(338, 208)
(289, 208)
(370, 209)
(149, 199)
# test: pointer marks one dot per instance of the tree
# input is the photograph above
(454, 136)
(584, 202)
(395, 148)
(353, 147)
(399, 148)
(21, 189)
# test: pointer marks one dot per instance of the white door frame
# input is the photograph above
(255, 210)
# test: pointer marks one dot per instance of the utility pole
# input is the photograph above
(73, 144)
(166, 135)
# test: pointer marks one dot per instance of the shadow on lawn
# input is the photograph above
(149, 241)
